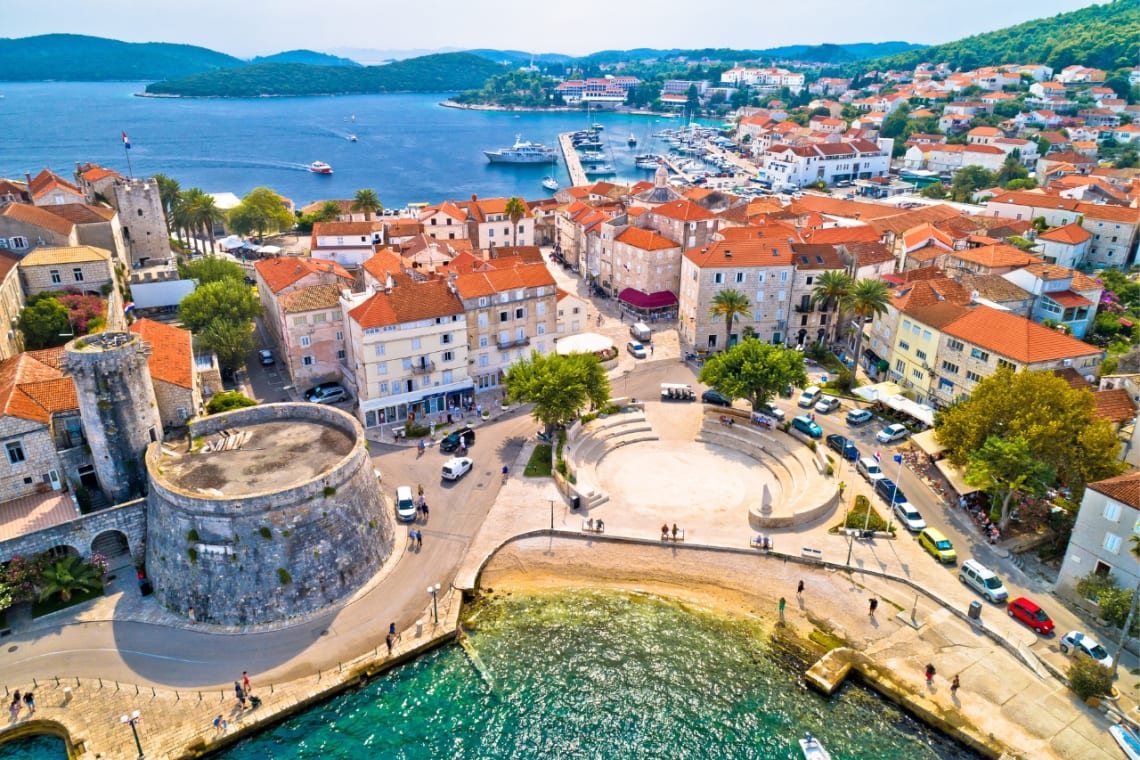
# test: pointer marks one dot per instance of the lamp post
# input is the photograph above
(898, 477)
(552, 514)
(132, 721)
(434, 591)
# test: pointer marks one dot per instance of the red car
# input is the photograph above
(1029, 613)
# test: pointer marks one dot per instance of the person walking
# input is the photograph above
(954, 686)
(245, 681)
(800, 589)
(929, 674)
(30, 703)
(419, 539)
(390, 640)
(872, 605)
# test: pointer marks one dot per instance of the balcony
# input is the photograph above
(511, 342)
(423, 367)
(804, 308)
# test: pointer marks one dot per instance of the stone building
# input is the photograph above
(82, 267)
(263, 514)
(118, 405)
(171, 365)
(11, 302)
(1101, 540)
(143, 221)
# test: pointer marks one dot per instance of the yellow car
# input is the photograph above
(938, 545)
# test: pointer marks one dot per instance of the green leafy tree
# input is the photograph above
(1057, 421)
(227, 401)
(831, 290)
(231, 341)
(261, 211)
(968, 180)
(558, 386)
(730, 305)
(754, 370)
(515, 211)
(43, 322)
(1027, 183)
(1004, 467)
(211, 269)
(1114, 603)
(895, 122)
(367, 201)
(229, 300)
(1088, 678)
(937, 191)
(66, 576)
(868, 298)
(1011, 170)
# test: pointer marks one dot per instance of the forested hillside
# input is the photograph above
(1102, 36)
(79, 58)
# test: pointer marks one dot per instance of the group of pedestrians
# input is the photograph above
(243, 692)
(416, 538)
(19, 701)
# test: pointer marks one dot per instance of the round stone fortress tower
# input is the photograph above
(265, 513)
(118, 407)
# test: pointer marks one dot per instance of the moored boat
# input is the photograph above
(631, 140)
(812, 749)
(550, 183)
(320, 167)
(599, 170)
(646, 160)
(352, 138)
(521, 153)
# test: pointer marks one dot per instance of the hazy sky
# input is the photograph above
(255, 27)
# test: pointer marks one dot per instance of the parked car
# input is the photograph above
(892, 433)
(1029, 613)
(890, 492)
(405, 504)
(265, 356)
(451, 442)
(983, 580)
(809, 397)
(807, 426)
(326, 393)
(857, 417)
(869, 468)
(772, 411)
(456, 467)
(1079, 642)
(938, 545)
(827, 404)
(636, 350)
(844, 446)
(909, 516)
(716, 398)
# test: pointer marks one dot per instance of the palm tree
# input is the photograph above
(66, 576)
(515, 211)
(832, 287)
(367, 201)
(729, 305)
(207, 214)
(187, 214)
(867, 298)
(168, 190)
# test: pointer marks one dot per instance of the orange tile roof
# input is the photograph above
(683, 210)
(1068, 298)
(928, 293)
(409, 301)
(96, 173)
(501, 280)
(8, 262)
(1122, 488)
(81, 213)
(46, 181)
(646, 240)
(1070, 234)
(333, 229)
(172, 355)
(752, 250)
(993, 287)
(33, 387)
(1037, 200)
(282, 271)
(997, 256)
(1015, 337)
(1109, 213)
(38, 217)
(311, 298)
(382, 263)
(858, 233)
(1114, 405)
(927, 253)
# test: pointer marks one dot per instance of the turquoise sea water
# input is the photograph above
(592, 675)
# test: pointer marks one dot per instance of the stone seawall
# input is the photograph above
(271, 555)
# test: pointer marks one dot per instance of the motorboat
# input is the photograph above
(320, 167)
(521, 153)
(352, 138)
(812, 749)
(550, 183)
(631, 140)
(1128, 740)
(599, 170)
(646, 160)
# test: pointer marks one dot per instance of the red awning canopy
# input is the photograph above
(640, 300)
(1069, 299)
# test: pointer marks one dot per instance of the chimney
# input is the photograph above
(28, 177)
(973, 296)
(727, 253)
(388, 285)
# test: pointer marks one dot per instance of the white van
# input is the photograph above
(983, 580)
(641, 331)
(810, 397)
(869, 468)
(405, 504)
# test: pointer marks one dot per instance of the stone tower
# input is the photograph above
(143, 221)
(118, 407)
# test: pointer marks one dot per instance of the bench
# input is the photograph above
(761, 542)
(680, 535)
(589, 526)
(811, 553)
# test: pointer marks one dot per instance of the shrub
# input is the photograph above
(265, 533)
(1088, 678)
(192, 535)
(192, 553)
(416, 431)
(227, 401)
(329, 492)
(283, 576)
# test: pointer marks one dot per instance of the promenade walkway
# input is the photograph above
(573, 161)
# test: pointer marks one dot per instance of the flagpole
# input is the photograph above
(127, 151)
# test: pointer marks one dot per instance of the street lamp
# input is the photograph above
(132, 721)
(891, 514)
(434, 591)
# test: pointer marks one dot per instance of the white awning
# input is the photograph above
(271, 250)
(925, 441)
(583, 343)
(955, 477)
(230, 243)
(890, 396)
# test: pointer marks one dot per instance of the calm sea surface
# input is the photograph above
(592, 675)
(410, 148)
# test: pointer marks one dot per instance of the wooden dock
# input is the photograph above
(573, 162)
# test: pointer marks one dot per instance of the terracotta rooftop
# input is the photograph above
(503, 280)
(1015, 337)
(744, 251)
(46, 181)
(356, 229)
(73, 254)
(1114, 405)
(33, 387)
(38, 217)
(82, 213)
(409, 301)
(312, 298)
(997, 256)
(172, 355)
(1122, 488)
(1073, 378)
(280, 272)
(646, 240)
(683, 210)
(993, 287)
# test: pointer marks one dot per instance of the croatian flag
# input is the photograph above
(126, 141)
(129, 307)
(877, 457)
